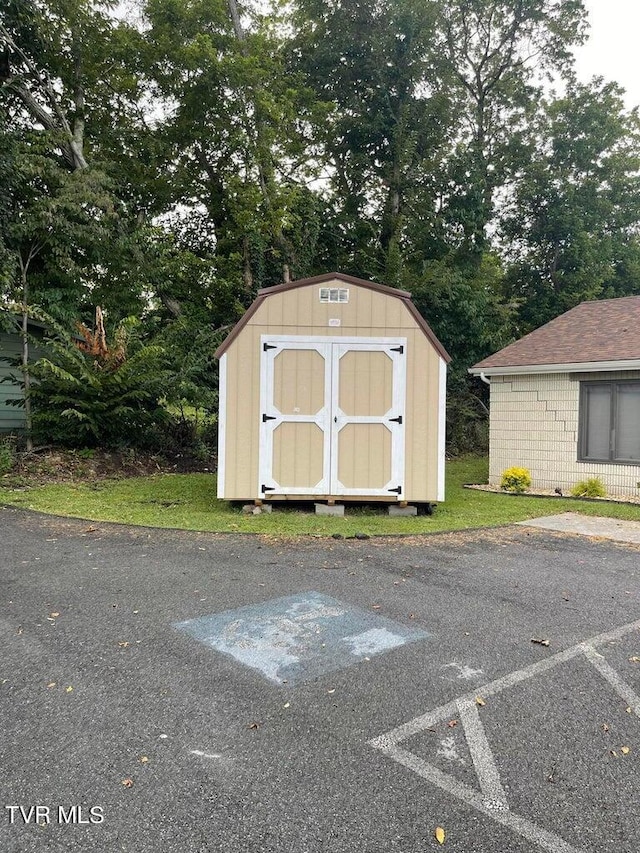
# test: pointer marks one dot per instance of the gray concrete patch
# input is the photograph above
(588, 525)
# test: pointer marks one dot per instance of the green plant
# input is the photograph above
(516, 480)
(590, 488)
(7, 455)
(90, 393)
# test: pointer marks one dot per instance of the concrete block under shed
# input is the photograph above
(402, 510)
(329, 509)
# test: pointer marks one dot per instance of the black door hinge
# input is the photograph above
(397, 420)
(399, 349)
(397, 490)
(264, 488)
(266, 418)
(265, 347)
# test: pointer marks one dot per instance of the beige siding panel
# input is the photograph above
(366, 382)
(364, 456)
(298, 455)
(366, 309)
(534, 424)
(367, 314)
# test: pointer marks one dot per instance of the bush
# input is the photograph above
(591, 488)
(92, 394)
(7, 455)
(516, 480)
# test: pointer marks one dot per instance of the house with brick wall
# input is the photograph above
(565, 399)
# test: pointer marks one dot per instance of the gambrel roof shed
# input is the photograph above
(332, 387)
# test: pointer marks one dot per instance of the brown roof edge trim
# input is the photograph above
(426, 328)
(330, 276)
(264, 292)
(233, 334)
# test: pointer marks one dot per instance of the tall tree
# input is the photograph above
(387, 124)
(571, 229)
(496, 55)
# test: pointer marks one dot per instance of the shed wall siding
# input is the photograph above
(368, 314)
(534, 424)
(11, 417)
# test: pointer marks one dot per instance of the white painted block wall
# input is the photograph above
(534, 424)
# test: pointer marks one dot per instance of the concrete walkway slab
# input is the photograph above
(588, 525)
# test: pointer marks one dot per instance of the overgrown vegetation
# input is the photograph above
(7, 455)
(593, 487)
(92, 394)
(167, 165)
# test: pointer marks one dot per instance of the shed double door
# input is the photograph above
(332, 416)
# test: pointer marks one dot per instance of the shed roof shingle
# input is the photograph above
(600, 331)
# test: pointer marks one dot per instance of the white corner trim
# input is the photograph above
(222, 422)
(442, 426)
(568, 367)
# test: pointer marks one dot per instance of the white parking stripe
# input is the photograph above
(486, 770)
(483, 760)
(523, 827)
(619, 685)
(425, 721)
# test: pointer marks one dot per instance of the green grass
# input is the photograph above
(188, 501)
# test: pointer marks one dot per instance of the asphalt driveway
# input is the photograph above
(164, 691)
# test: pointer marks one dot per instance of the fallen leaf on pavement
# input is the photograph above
(614, 753)
(51, 684)
(123, 644)
(625, 750)
(539, 641)
(376, 606)
(452, 724)
(254, 725)
(480, 702)
(128, 783)
(439, 834)
(634, 659)
(605, 727)
(143, 759)
(54, 614)
(69, 689)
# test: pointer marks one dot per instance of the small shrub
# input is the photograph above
(591, 488)
(515, 480)
(7, 455)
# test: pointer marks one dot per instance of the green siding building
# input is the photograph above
(11, 417)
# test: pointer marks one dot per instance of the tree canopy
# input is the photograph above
(166, 159)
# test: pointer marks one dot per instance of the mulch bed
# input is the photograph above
(47, 465)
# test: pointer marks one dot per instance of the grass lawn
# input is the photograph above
(188, 501)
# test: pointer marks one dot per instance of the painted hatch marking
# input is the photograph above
(299, 637)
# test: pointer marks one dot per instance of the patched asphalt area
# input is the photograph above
(217, 757)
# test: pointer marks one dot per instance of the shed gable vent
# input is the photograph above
(334, 294)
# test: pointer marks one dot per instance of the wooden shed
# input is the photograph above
(332, 388)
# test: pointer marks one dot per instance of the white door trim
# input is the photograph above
(397, 429)
(331, 348)
(276, 344)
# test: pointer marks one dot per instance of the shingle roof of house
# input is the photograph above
(600, 331)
